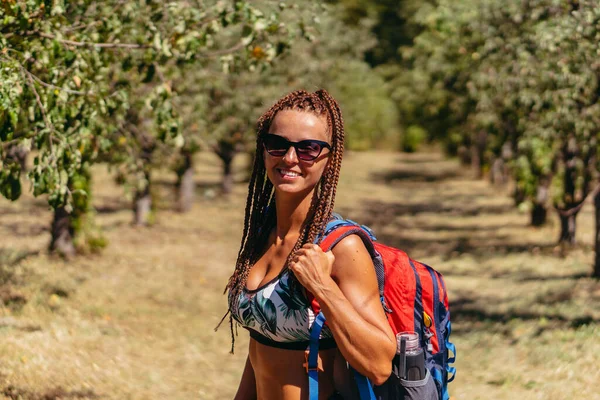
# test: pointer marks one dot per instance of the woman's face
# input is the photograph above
(288, 173)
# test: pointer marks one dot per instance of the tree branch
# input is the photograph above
(49, 85)
(42, 109)
(96, 45)
(574, 210)
(31, 85)
(223, 52)
(8, 143)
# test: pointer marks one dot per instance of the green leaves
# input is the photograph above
(521, 71)
(72, 74)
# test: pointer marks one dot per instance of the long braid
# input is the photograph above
(260, 216)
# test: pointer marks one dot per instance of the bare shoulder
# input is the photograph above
(351, 257)
(350, 245)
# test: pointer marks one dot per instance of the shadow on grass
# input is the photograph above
(414, 175)
(473, 312)
(433, 238)
(10, 257)
(542, 278)
(15, 393)
(112, 205)
(21, 229)
(420, 169)
(32, 207)
(420, 158)
(380, 212)
(467, 316)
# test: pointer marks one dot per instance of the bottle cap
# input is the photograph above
(412, 341)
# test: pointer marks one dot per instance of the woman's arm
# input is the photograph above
(345, 285)
(247, 388)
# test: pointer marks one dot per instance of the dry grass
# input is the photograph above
(137, 321)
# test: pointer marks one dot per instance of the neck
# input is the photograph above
(292, 211)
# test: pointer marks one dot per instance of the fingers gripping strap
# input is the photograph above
(313, 357)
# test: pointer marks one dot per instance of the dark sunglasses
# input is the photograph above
(306, 150)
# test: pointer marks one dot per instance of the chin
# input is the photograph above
(286, 187)
(292, 187)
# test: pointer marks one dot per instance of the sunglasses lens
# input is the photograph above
(276, 145)
(308, 150)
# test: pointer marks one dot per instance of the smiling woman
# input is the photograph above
(300, 143)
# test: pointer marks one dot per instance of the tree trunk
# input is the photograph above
(186, 186)
(227, 184)
(464, 155)
(477, 153)
(567, 229)
(539, 212)
(539, 215)
(226, 150)
(142, 204)
(567, 223)
(19, 155)
(476, 162)
(142, 201)
(507, 155)
(597, 242)
(497, 176)
(62, 233)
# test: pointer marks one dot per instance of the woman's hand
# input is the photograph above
(312, 267)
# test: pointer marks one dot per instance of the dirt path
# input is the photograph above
(137, 321)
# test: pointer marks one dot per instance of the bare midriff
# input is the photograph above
(280, 374)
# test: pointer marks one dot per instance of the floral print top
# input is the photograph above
(273, 312)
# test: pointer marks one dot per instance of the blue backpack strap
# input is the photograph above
(364, 386)
(365, 390)
(313, 357)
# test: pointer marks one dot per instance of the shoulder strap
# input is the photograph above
(313, 357)
(333, 236)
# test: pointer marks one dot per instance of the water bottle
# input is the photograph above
(409, 363)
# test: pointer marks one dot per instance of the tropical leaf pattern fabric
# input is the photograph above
(275, 312)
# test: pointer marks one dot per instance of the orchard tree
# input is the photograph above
(70, 75)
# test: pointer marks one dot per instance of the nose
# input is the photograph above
(291, 157)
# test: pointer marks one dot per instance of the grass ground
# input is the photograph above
(136, 322)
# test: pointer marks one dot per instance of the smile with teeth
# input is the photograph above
(288, 173)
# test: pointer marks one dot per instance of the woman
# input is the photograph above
(290, 199)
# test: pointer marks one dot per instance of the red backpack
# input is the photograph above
(412, 294)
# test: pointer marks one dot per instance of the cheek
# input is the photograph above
(316, 171)
(268, 160)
